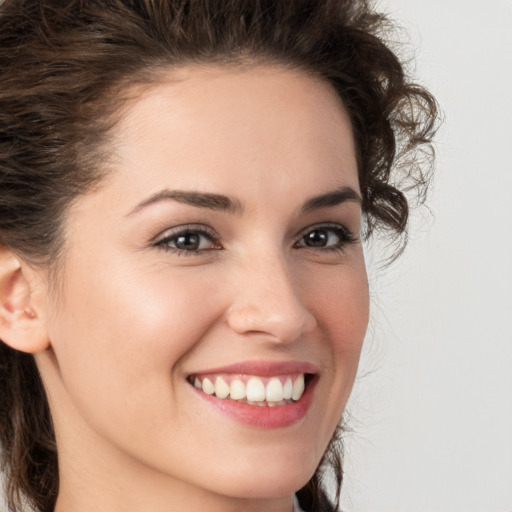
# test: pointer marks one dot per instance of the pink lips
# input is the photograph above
(264, 416)
(264, 368)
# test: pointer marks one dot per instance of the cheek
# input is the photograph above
(120, 337)
(340, 304)
(342, 309)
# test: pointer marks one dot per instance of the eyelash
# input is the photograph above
(202, 231)
(344, 235)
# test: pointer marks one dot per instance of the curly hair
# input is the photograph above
(64, 68)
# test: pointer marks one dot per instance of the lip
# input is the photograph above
(263, 416)
(263, 368)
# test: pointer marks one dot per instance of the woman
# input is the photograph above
(184, 295)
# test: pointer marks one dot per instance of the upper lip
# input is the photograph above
(263, 368)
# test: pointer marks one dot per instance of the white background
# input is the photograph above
(432, 407)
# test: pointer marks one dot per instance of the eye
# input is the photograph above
(189, 240)
(326, 237)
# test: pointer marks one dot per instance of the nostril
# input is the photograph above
(283, 321)
(281, 327)
(267, 301)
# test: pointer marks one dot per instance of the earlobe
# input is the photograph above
(22, 325)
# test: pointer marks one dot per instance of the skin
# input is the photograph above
(133, 318)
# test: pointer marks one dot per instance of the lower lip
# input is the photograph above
(278, 416)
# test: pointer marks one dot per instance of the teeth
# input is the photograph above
(237, 390)
(287, 389)
(221, 388)
(274, 391)
(254, 391)
(298, 387)
(208, 387)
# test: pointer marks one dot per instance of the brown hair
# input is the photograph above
(63, 68)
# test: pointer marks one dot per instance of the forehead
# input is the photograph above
(211, 118)
(264, 135)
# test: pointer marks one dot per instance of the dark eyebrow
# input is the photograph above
(206, 200)
(333, 198)
(224, 203)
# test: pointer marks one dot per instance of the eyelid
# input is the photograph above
(183, 228)
(346, 234)
(201, 229)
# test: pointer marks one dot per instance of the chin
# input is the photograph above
(274, 475)
(265, 484)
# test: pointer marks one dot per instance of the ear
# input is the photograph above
(22, 322)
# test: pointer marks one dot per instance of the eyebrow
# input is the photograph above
(330, 199)
(217, 202)
(220, 202)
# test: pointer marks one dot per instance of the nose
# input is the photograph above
(267, 302)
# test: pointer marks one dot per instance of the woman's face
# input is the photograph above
(221, 255)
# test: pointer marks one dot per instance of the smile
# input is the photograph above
(260, 394)
(278, 390)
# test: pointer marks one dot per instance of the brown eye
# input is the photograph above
(316, 238)
(189, 240)
(326, 237)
